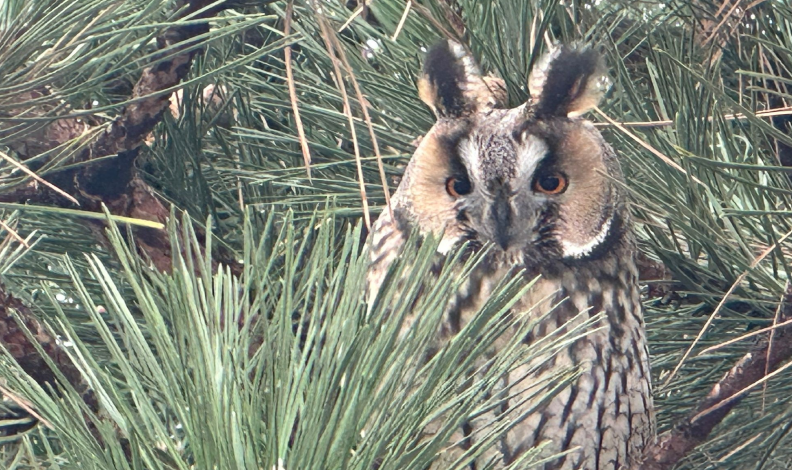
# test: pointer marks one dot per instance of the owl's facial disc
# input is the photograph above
(535, 181)
(500, 169)
(539, 194)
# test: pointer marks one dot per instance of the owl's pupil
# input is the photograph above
(549, 183)
(457, 186)
(462, 186)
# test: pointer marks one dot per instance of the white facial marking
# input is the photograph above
(532, 151)
(575, 250)
(469, 153)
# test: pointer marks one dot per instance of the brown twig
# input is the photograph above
(770, 346)
(370, 125)
(402, 20)
(725, 395)
(37, 178)
(713, 32)
(769, 329)
(25, 405)
(785, 111)
(331, 43)
(358, 11)
(14, 234)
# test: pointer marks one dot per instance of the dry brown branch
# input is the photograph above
(748, 373)
(114, 182)
(13, 313)
(127, 132)
(331, 43)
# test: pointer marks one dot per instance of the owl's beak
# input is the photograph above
(501, 212)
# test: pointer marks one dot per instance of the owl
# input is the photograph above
(540, 188)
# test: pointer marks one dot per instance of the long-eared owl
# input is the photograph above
(540, 187)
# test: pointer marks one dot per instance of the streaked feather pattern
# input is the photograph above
(539, 189)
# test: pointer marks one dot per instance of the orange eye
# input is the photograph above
(550, 183)
(458, 186)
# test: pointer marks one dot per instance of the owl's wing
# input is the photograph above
(385, 244)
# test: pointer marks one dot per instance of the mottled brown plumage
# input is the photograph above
(542, 186)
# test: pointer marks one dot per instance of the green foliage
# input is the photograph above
(707, 224)
(283, 366)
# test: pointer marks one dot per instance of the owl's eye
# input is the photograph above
(550, 183)
(458, 186)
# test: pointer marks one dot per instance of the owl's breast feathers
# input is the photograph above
(385, 242)
(605, 417)
(607, 411)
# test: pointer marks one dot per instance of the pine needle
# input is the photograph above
(331, 43)
(84, 214)
(287, 51)
(722, 302)
(783, 111)
(36, 177)
(351, 18)
(646, 145)
(367, 118)
(740, 393)
(13, 233)
(402, 20)
(25, 405)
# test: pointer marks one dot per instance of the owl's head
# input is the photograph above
(536, 181)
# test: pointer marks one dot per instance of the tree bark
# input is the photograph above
(113, 182)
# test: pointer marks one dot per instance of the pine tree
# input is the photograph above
(186, 187)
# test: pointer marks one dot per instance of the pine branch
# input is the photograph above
(149, 96)
(150, 99)
(750, 371)
(13, 338)
(112, 182)
(18, 331)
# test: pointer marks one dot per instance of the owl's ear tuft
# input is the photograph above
(451, 83)
(568, 81)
